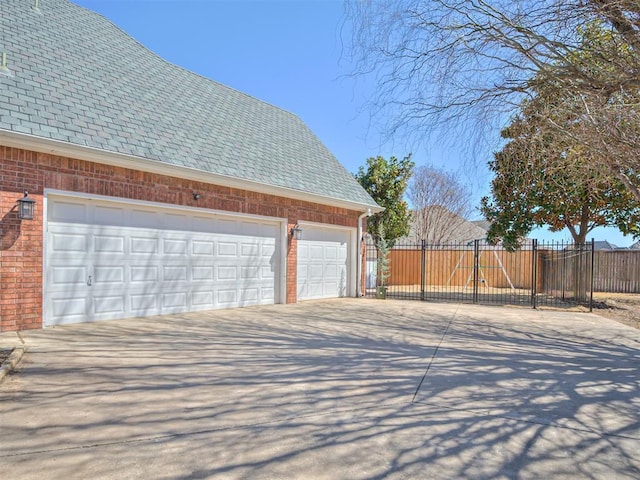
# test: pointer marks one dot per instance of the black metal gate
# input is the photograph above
(550, 274)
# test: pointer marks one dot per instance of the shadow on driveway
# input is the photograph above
(353, 389)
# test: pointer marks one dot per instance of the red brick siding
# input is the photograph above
(21, 242)
(292, 265)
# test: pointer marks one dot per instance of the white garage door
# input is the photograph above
(323, 261)
(108, 260)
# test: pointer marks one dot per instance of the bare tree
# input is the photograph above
(441, 205)
(444, 63)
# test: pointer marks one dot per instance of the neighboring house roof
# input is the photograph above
(76, 79)
(604, 245)
(483, 224)
(635, 246)
(443, 226)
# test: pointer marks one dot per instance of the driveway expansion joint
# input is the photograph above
(433, 356)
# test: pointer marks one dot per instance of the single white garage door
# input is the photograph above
(109, 260)
(323, 263)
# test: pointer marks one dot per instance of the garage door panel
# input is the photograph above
(174, 247)
(227, 272)
(250, 273)
(137, 270)
(253, 229)
(108, 243)
(315, 272)
(249, 295)
(226, 226)
(176, 221)
(174, 300)
(331, 271)
(174, 274)
(313, 290)
(66, 277)
(104, 275)
(68, 212)
(144, 218)
(202, 299)
(144, 303)
(69, 242)
(267, 294)
(227, 297)
(249, 250)
(267, 250)
(144, 245)
(200, 274)
(202, 248)
(108, 215)
(227, 249)
(109, 304)
(144, 274)
(316, 252)
(270, 231)
(331, 254)
(202, 224)
(72, 309)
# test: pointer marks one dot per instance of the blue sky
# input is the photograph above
(292, 54)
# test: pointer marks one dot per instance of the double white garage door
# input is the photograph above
(109, 259)
(112, 260)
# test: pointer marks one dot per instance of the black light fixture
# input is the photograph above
(196, 196)
(296, 232)
(26, 207)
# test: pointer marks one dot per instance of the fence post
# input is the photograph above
(564, 271)
(593, 249)
(476, 267)
(423, 268)
(534, 272)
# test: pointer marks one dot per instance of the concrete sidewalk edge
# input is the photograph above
(10, 363)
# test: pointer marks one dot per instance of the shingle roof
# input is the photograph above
(482, 224)
(75, 77)
(604, 245)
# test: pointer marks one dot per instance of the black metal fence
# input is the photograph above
(549, 274)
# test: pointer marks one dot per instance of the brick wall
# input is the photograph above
(21, 242)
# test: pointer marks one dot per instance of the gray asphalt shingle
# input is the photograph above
(76, 76)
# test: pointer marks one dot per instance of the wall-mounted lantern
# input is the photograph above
(26, 207)
(296, 232)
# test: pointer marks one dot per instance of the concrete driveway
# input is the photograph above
(344, 389)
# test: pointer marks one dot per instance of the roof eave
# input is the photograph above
(65, 149)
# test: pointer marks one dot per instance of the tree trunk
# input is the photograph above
(578, 257)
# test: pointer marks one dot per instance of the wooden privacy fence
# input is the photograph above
(453, 266)
(538, 273)
(617, 271)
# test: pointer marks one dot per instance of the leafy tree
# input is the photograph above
(386, 181)
(384, 261)
(542, 179)
(439, 64)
